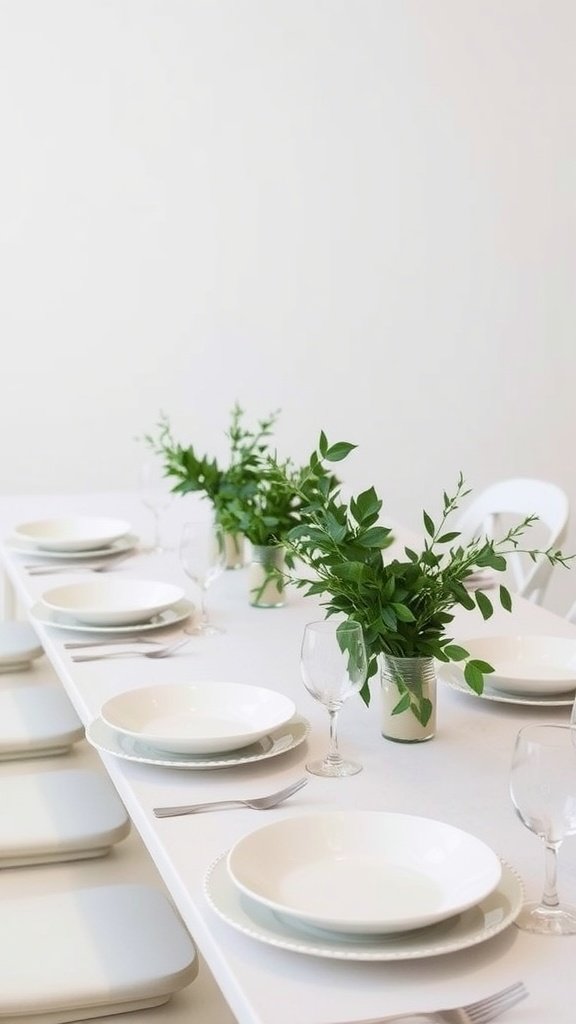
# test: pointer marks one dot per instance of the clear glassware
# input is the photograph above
(543, 791)
(156, 495)
(334, 664)
(203, 558)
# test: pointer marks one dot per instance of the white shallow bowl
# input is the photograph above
(198, 718)
(364, 872)
(112, 602)
(527, 664)
(78, 533)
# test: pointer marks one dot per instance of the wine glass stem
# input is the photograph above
(333, 755)
(203, 612)
(156, 545)
(550, 897)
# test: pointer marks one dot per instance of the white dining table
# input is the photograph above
(459, 777)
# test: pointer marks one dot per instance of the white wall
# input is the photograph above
(360, 211)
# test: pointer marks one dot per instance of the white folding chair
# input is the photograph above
(521, 497)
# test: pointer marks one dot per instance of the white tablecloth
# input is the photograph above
(461, 777)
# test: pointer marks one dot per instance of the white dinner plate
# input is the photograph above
(529, 666)
(199, 717)
(19, 646)
(109, 741)
(481, 922)
(108, 602)
(453, 676)
(364, 872)
(22, 547)
(72, 533)
(180, 611)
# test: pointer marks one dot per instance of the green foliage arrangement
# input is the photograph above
(405, 605)
(247, 497)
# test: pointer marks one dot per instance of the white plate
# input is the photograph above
(364, 872)
(528, 665)
(180, 611)
(21, 547)
(453, 676)
(198, 718)
(19, 646)
(291, 735)
(487, 919)
(119, 602)
(74, 533)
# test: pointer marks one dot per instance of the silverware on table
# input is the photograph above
(481, 1012)
(98, 565)
(78, 645)
(159, 652)
(261, 803)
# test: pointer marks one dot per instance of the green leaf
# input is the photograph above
(484, 604)
(505, 599)
(375, 537)
(455, 653)
(474, 678)
(482, 666)
(403, 614)
(447, 537)
(428, 524)
(402, 705)
(338, 451)
(322, 444)
(423, 711)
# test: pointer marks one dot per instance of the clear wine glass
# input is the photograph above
(156, 495)
(543, 791)
(334, 665)
(203, 559)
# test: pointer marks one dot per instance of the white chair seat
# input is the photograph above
(37, 721)
(91, 952)
(58, 816)
(19, 646)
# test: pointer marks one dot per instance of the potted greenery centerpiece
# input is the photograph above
(249, 500)
(224, 488)
(405, 604)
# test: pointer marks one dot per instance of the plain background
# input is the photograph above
(361, 212)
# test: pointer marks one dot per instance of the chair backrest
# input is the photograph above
(519, 498)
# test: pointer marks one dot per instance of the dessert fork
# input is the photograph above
(481, 1012)
(158, 652)
(260, 803)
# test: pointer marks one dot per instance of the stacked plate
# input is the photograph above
(19, 646)
(79, 535)
(112, 605)
(531, 670)
(364, 886)
(197, 725)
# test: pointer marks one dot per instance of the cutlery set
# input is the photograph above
(99, 565)
(158, 652)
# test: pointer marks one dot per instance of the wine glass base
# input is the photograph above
(534, 917)
(333, 769)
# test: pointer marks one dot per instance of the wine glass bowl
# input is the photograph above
(203, 558)
(334, 665)
(543, 792)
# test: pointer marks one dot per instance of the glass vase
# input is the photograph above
(408, 695)
(234, 549)
(265, 586)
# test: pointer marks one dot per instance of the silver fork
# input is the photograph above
(260, 803)
(481, 1012)
(159, 652)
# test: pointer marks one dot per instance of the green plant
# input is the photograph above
(246, 495)
(405, 605)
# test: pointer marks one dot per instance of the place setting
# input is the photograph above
(535, 671)
(360, 885)
(73, 544)
(198, 725)
(113, 607)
